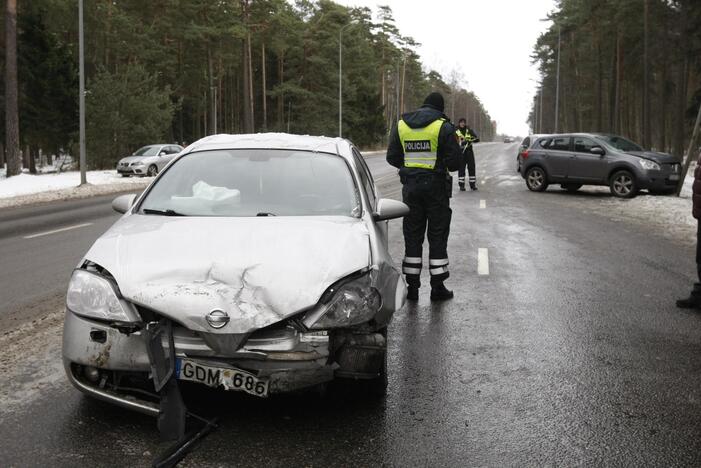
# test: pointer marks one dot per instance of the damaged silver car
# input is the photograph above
(253, 263)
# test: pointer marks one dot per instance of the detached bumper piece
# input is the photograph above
(172, 417)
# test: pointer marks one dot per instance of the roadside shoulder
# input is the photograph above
(85, 191)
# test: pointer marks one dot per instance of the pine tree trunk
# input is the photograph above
(281, 96)
(248, 124)
(265, 97)
(646, 77)
(401, 102)
(617, 125)
(11, 113)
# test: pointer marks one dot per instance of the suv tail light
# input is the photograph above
(524, 154)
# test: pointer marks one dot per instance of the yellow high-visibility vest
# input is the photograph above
(420, 144)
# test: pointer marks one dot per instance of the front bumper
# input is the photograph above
(131, 170)
(663, 180)
(288, 359)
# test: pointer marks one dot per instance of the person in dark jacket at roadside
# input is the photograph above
(694, 299)
(424, 147)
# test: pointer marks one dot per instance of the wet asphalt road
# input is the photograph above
(569, 352)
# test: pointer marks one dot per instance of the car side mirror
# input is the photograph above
(162, 153)
(122, 203)
(597, 150)
(389, 209)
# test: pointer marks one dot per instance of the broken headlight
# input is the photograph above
(94, 296)
(345, 304)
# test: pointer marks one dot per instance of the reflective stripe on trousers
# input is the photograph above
(411, 266)
(438, 266)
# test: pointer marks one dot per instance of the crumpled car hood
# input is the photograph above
(258, 270)
(662, 158)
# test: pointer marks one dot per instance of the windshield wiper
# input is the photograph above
(264, 213)
(162, 212)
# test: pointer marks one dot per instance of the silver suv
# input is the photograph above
(574, 160)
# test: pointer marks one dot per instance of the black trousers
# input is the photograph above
(428, 198)
(468, 158)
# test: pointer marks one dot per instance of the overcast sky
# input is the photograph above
(489, 41)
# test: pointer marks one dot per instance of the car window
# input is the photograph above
(147, 151)
(556, 143)
(583, 145)
(526, 142)
(173, 150)
(619, 143)
(366, 177)
(255, 182)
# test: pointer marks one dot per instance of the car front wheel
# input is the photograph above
(623, 184)
(536, 180)
(152, 171)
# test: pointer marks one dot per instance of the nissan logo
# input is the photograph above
(217, 318)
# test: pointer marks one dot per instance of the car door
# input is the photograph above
(370, 190)
(587, 167)
(557, 157)
(166, 158)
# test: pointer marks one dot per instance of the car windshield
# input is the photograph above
(255, 183)
(619, 143)
(147, 151)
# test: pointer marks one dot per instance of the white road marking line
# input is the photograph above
(67, 228)
(482, 262)
(483, 204)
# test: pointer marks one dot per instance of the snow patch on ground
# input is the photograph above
(30, 363)
(670, 216)
(26, 189)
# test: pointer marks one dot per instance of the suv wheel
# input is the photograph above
(623, 184)
(536, 180)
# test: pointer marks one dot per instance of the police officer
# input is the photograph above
(466, 137)
(424, 148)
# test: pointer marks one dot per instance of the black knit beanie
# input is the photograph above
(435, 100)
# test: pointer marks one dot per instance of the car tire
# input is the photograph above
(536, 179)
(125, 175)
(623, 184)
(571, 188)
(152, 170)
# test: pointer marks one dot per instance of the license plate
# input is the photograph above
(229, 378)
(674, 177)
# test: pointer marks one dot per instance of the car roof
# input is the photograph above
(270, 141)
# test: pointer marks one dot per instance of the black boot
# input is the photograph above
(691, 302)
(413, 293)
(462, 187)
(440, 293)
(473, 186)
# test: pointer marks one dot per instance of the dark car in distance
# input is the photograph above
(574, 160)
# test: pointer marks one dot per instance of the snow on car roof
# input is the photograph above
(268, 140)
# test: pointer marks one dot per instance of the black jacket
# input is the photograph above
(448, 148)
(469, 131)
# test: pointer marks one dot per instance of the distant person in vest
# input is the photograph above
(466, 137)
(424, 147)
(694, 299)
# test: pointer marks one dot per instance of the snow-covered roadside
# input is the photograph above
(670, 216)
(26, 189)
